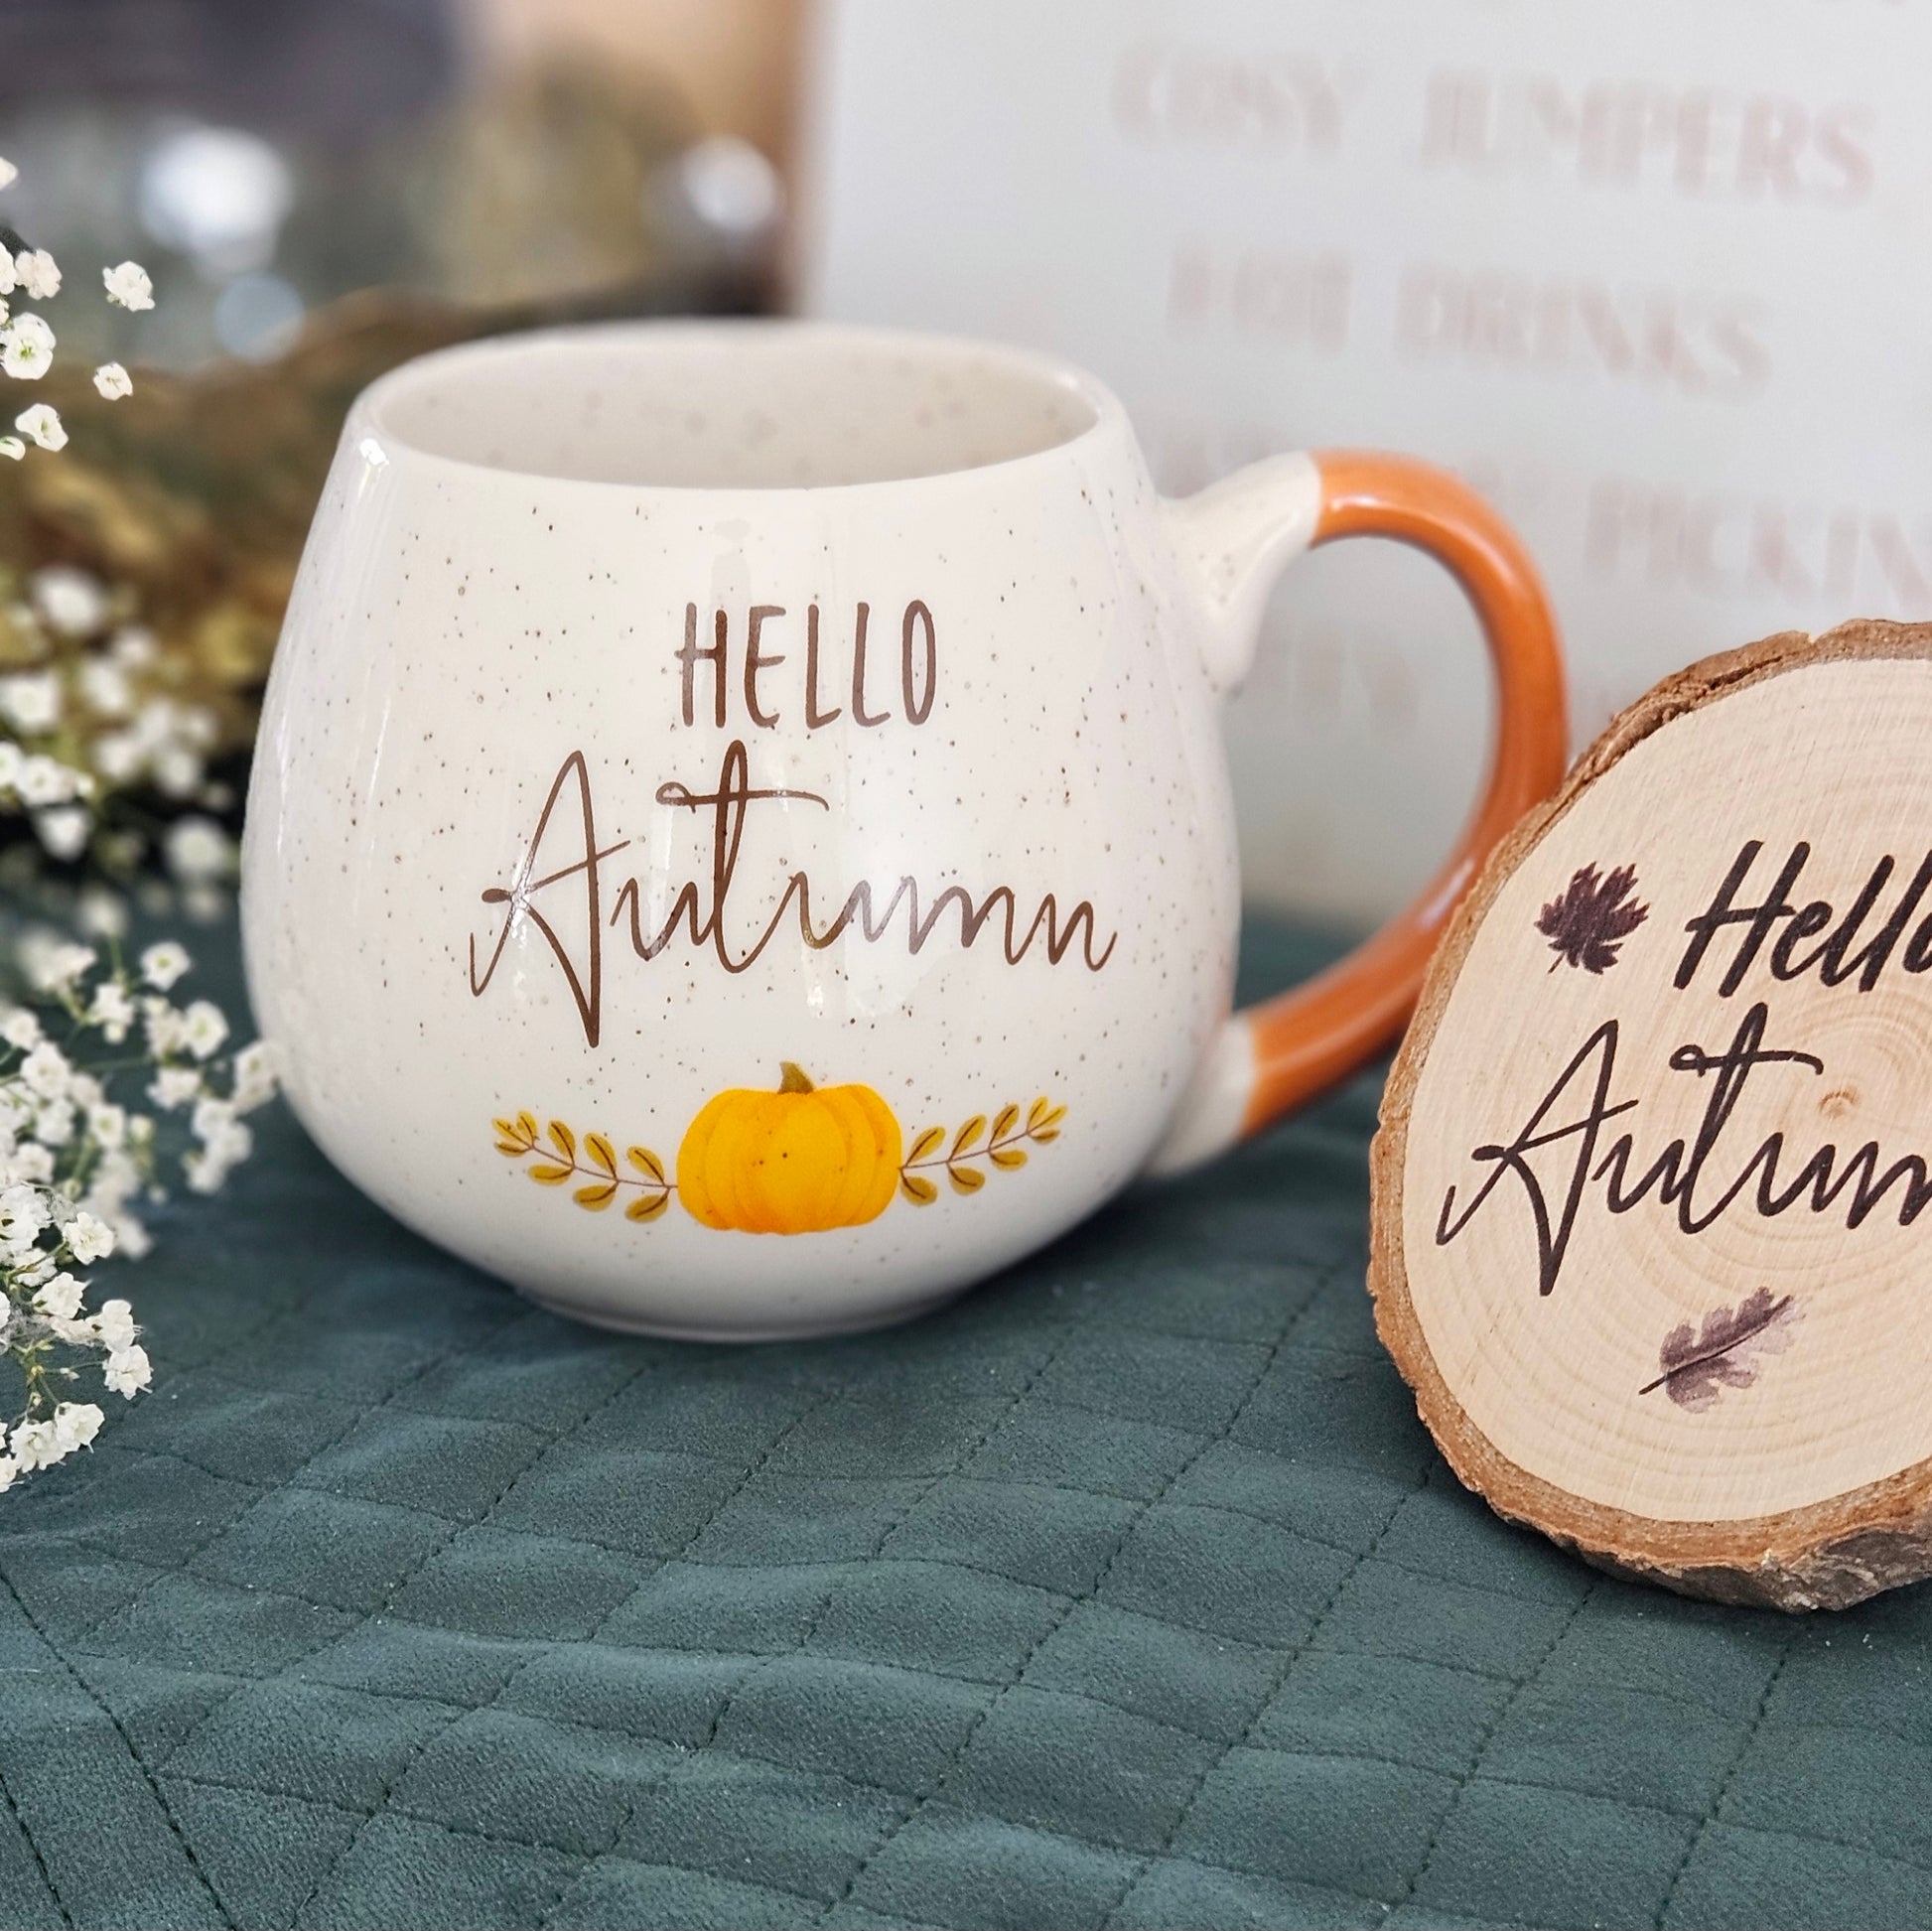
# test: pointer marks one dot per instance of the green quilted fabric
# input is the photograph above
(1127, 1593)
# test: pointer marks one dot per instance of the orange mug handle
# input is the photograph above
(1238, 534)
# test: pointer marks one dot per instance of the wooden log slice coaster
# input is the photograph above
(1653, 1186)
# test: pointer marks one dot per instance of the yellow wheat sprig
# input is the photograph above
(998, 1143)
(559, 1161)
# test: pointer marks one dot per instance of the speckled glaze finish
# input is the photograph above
(525, 846)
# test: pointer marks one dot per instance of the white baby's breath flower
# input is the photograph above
(12, 448)
(58, 964)
(27, 347)
(31, 1165)
(35, 1446)
(198, 850)
(204, 1170)
(20, 1027)
(254, 1076)
(45, 780)
(54, 1124)
(90, 1238)
(164, 962)
(128, 1370)
(69, 600)
(104, 685)
(114, 1324)
(36, 271)
(30, 700)
(9, 1468)
(112, 1010)
(9, 174)
(134, 645)
(22, 1216)
(174, 1087)
(162, 1026)
(41, 422)
(205, 1029)
(128, 285)
(178, 771)
(112, 380)
(102, 913)
(45, 1072)
(117, 756)
(63, 830)
(216, 1126)
(60, 1297)
(75, 1424)
(154, 726)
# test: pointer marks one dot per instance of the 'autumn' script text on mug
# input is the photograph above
(728, 682)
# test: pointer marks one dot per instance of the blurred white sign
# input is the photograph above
(1656, 276)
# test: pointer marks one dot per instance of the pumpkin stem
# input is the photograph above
(794, 1080)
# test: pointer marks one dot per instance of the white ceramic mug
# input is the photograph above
(740, 843)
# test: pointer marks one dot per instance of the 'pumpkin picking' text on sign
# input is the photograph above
(1651, 1238)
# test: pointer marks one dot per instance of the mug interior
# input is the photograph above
(731, 405)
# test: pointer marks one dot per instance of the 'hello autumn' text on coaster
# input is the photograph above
(1653, 1190)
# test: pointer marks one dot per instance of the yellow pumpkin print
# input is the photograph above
(795, 1162)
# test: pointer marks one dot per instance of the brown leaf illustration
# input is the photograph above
(965, 1180)
(602, 1152)
(563, 1140)
(1009, 1157)
(918, 1189)
(1698, 1364)
(1594, 916)
(646, 1162)
(967, 1135)
(1003, 1121)
(550, 1175)
(598, 1197)
(648, 1208)
(927, 1143)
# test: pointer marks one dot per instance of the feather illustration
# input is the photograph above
(1698, 1364)
(1594, 916)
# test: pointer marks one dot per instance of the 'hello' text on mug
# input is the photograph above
(730, 681)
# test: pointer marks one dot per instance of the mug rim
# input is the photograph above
(370, 413)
